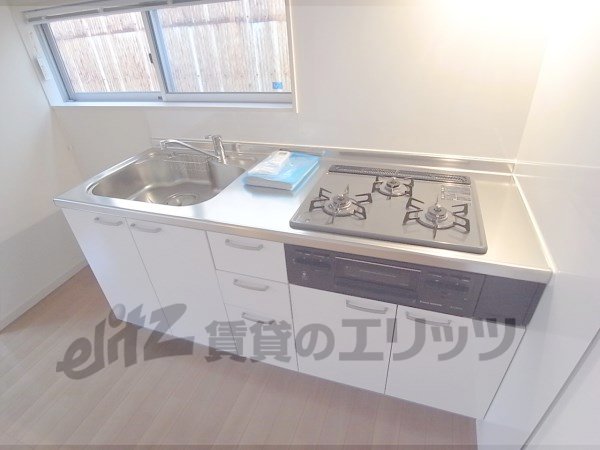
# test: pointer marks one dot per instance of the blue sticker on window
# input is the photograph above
(277, 84)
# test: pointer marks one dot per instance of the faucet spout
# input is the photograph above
(218, 146)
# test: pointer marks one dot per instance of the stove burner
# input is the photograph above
(393, 187)
(392, 184)
(438, 217)
(417, 208)
(340, 205)
(436, 213)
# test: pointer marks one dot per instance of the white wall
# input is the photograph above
(433, 76)
(36, 246)
(559, 171)
(573, 420)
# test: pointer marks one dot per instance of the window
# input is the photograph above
(224, 51)
(238, 48)
(105, 54)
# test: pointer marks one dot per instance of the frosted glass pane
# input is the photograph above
(237, 46)
(106, 53)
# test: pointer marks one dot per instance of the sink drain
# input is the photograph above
(181, 199)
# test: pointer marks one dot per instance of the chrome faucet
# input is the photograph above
(164, 146)
(218, 146)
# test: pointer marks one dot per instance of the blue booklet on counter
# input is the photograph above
(282, 170)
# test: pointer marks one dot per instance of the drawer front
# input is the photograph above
(257, 294)
(254, 257)
(263, 337)
(446, 367)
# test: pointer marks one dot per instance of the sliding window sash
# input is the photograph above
(67, 91)
(100, 8)
(42, 17)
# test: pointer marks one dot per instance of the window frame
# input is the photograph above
(157, 50)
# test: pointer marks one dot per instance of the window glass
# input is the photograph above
(106, 53)
(236, 46)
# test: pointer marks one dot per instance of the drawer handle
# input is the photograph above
(244, 285)
(434, 323)
(252, 318)
(108, 222)
(351, 305)
(243, 246)
(146, 230)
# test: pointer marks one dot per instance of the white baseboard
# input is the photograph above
(43, 293)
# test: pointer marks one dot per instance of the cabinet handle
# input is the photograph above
(257, 319)
(434, 323)
(244, 285)
(108, 223)
(243, 246)
(146, 230)
(351, 305)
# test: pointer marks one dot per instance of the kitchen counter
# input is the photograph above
(514, 247)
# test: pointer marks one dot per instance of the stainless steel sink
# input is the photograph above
(174, 178)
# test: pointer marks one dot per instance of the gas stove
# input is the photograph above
(422, 208)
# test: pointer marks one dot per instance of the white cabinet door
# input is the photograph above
(460, 382)
(354, 324)
(181, 268)
(112, 254)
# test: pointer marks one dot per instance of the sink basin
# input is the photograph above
(176, 179)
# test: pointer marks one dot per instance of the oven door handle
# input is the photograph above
(351, 305)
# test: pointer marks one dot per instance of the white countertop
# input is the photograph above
(514, 248)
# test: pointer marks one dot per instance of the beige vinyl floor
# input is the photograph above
(185, 399)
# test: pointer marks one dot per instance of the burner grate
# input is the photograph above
(393, 187)
(390, 173)
(341, 205)
(433, 221)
